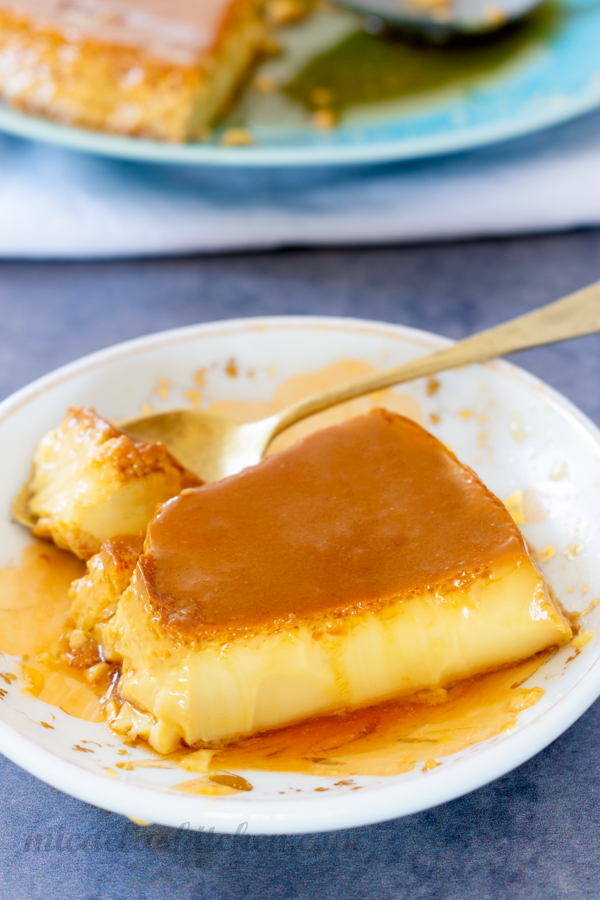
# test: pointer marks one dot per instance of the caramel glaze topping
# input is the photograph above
(348, 519)
(175, 31)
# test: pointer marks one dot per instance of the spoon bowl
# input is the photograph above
(209, 445)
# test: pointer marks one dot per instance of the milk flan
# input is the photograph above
(365, 562)
(91, 482)
(160, 69)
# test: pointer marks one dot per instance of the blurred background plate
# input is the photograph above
(390, 98)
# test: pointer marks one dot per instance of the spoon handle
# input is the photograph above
(573, 316)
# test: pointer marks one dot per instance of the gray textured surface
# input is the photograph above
(532, 834)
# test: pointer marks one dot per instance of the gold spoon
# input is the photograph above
(214, 446)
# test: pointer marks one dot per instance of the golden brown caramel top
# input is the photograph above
(132, 457)
(350, 518)
(173, 30)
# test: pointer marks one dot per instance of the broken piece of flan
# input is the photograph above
(363, 563)
(91, 482)
(160, 69)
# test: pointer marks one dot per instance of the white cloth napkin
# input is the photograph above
(60, 204)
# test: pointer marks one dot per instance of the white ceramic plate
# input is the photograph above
(535, 440)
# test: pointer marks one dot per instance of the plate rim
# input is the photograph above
(128, 149)
(305, 815)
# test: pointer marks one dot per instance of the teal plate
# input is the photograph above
(390, 97)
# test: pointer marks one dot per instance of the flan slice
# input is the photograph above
(160, 69)
(362, 563)
(91, 482)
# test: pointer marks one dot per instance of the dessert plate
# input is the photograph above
(526, 442)
(424, 102)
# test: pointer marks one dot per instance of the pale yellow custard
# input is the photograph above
(91, 482)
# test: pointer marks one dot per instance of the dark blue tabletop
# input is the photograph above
(532, 834)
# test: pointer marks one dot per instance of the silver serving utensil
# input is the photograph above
(438, 19)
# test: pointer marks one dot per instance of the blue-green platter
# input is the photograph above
(537, 79)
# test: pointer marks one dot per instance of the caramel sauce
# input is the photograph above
(34, 599)
(56, 685)
(351, 517)
(215, 785)
(34, 606)
(391, 738)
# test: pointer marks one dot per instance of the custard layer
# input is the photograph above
(207, 693)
